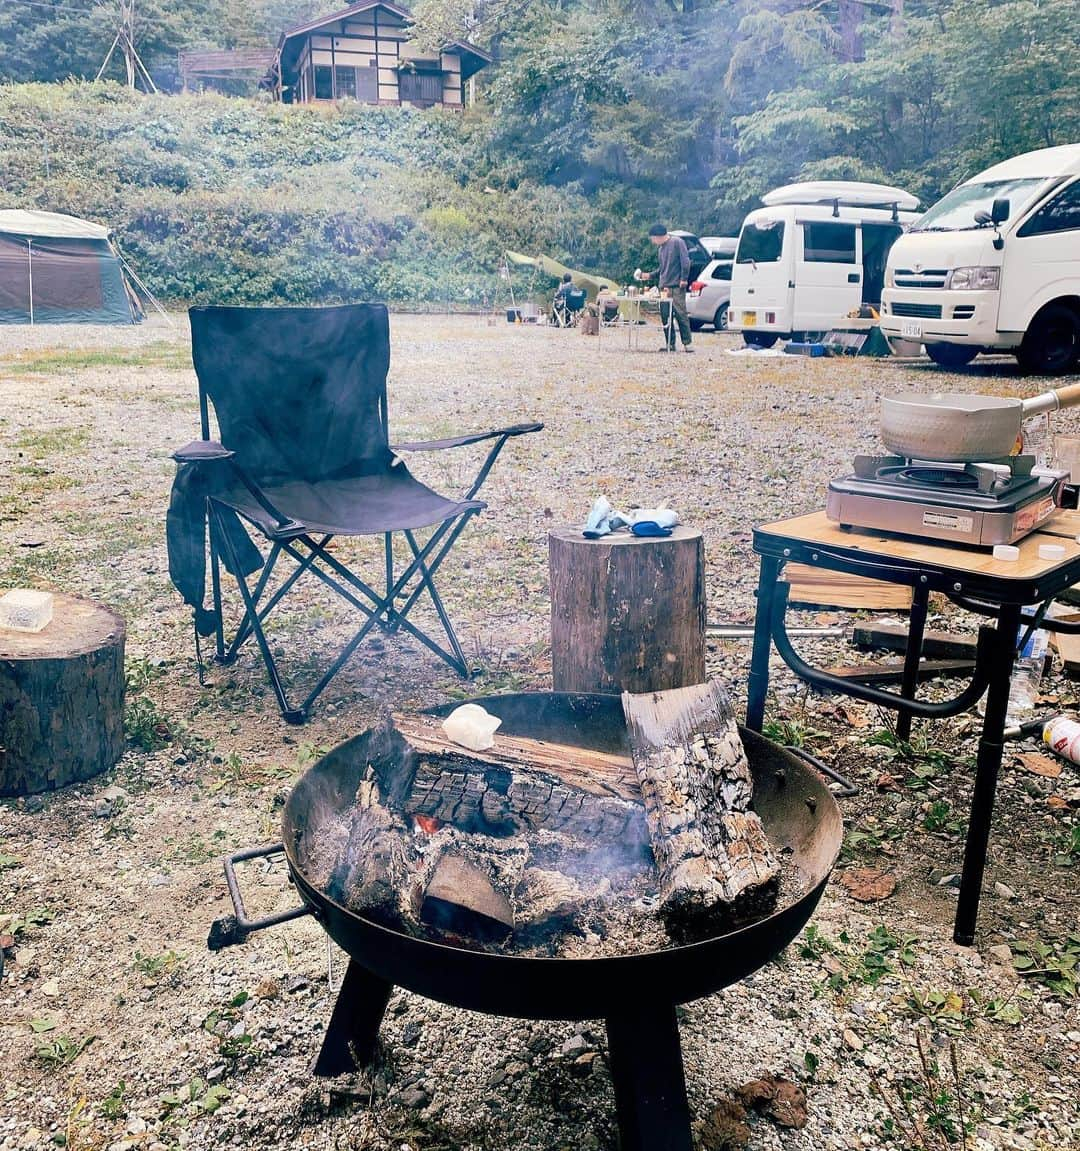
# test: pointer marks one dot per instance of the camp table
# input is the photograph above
(973, 579)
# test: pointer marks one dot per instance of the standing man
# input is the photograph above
(674, 262)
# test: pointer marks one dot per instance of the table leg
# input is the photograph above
(757, 686)
(917, 626)
(987, 766)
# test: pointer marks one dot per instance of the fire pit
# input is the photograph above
(635, 994)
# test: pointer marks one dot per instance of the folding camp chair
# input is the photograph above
(566, 310)
(304, 456)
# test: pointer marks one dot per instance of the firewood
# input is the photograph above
(374, 860)
(520, 785)
(715, 862)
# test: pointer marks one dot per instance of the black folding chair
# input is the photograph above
(567, 308)
(304, 456)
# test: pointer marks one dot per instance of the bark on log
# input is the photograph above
(715, 863)
(520, 784)
(61, 698)
(627, 613)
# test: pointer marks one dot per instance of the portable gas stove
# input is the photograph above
(983, 504)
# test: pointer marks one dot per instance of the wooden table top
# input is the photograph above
(1062, 528)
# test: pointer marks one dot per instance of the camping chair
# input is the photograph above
(566, 310)
(304, 456)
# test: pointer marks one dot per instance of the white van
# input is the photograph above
(812, 255)
(995, 266)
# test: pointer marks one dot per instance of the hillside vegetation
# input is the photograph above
(600, 116)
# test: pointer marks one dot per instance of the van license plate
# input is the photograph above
(749, 319)
(910, 330)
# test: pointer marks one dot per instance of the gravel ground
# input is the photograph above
(119, 1029)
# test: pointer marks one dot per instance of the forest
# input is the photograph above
(597, 118)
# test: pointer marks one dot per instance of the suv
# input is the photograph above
(699, 254)
(708, 295)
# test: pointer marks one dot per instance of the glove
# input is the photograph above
(653, 521)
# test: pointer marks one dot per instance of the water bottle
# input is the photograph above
(1026, 677)
(1062, 735)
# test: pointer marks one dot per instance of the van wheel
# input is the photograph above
(1051, 345)
(720, 320)
(696, 325)
(951, 355)
(760, 339)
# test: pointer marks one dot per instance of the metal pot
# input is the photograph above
(949, 427)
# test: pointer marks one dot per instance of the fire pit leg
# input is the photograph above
(650, 1088)
(350, 1038)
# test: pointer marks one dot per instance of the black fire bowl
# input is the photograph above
(635, 994)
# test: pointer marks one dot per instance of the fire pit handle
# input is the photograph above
(232, 929)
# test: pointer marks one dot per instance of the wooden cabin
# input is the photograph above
(363, 53)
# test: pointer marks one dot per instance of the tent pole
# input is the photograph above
(30, 272)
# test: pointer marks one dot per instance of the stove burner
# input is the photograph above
(936, 477)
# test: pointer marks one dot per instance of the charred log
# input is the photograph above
(715, 864)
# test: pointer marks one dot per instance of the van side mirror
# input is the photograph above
(999, 211)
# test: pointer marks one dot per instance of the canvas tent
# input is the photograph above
(590, 281)
(57, 269)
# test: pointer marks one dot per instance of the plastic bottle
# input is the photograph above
(1026, 677)
(1062, 736)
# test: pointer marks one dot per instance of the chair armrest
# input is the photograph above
(200, 451)
(461, 441)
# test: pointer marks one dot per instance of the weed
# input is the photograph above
(147, 727)
(112, 1106)
(61, 1050)
(9, 862)
(792, 732)
(939, 817)
(139, 674)
(924, 760)
(926, 1113)
(171, 357)
(52, 441)
(155, 966)
(1067, 846)
(1055, 965)
(868, 838)
(21, 926)
(197, 1095)
(945, 1008)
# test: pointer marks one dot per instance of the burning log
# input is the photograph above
(520, 784)
(373, 860)
(716, 866)
(470, 883)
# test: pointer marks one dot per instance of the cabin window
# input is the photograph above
(324, 82)
(421, 87)
(722, 272)
(1061, 214)
(829, 243)
(761, 242)
(346, 82)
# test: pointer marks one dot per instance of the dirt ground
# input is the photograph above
(119, 1029)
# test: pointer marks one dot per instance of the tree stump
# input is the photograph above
(61, 698)
(627, 613)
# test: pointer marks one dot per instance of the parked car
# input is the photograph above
(812, 255)
(720, 247)
(995, 266)
(699, 254)
(707, 297)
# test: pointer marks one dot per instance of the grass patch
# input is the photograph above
(49, 441)
(161, 355)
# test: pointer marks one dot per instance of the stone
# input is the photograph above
(574, 1046)
(1000, 953)
(1004, 891)
(414, 1097)
(852, 1040)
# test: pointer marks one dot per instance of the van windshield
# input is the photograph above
(956, 211)
(761, 242)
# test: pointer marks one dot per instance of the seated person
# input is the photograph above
(558, 304)
(607, 305)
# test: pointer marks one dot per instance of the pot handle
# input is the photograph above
(231, 929)
(1066, 397)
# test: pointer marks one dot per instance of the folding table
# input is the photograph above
(971, 578)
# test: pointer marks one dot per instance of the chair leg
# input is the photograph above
(215, 585)
(291, 715)
(440, 610)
